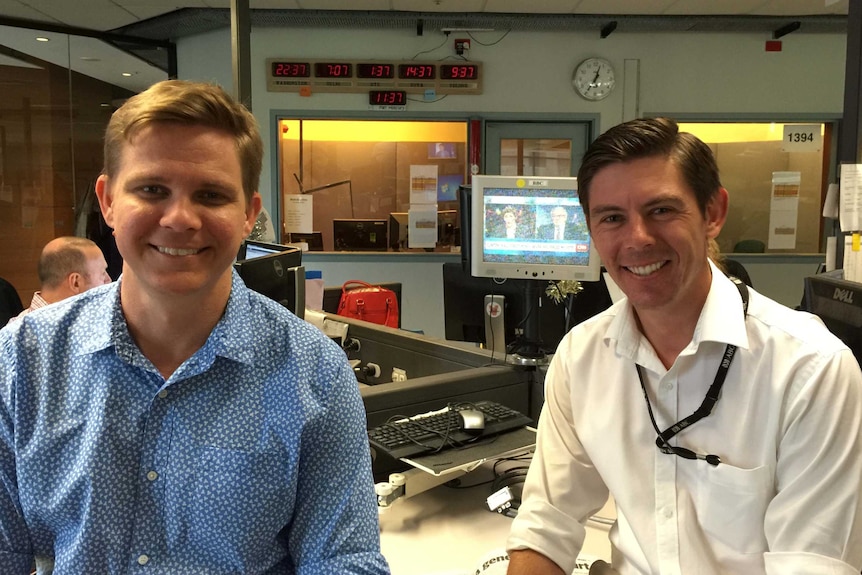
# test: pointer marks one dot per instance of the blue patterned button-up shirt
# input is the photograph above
(251, 458)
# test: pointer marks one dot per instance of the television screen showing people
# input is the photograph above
(530, 228)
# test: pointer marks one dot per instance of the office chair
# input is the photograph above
(749, 247)
(737, 270)
(10, 303)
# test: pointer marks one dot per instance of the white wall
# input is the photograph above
(705, 74)
(678, 74)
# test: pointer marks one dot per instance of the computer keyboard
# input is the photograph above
(437, 431)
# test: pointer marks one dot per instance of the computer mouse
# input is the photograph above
(472, 421)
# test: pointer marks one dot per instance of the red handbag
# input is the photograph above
(369, 303)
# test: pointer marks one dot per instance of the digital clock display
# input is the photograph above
(333, 70)
(459, 71)
(387, 98)
(416, 71)
(291, 70)
(375, 71)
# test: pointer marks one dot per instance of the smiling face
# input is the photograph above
(178, 211)
(651, 235)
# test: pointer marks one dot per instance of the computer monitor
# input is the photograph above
(279, 276)
(838, 303)
(313, 239)
(513, 235)
(464, 309)
(250, 249)
(448, 229)
(398, 223)
(357, 235)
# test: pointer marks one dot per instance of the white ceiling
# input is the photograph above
(100, 60)
(110, 14)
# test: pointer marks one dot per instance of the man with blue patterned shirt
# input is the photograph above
(176, 422)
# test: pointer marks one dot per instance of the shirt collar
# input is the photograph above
(228, 338)
(721, 320)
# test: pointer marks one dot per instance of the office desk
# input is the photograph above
(448, 531)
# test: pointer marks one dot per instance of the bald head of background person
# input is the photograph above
(68, 266)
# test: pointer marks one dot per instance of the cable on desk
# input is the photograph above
(446, 441)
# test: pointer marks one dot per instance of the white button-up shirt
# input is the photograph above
(785, 499)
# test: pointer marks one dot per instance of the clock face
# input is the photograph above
(594, 78)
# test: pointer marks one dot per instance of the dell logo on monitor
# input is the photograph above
(279, 270)
(844, 295)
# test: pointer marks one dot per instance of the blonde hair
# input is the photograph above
(191, 104)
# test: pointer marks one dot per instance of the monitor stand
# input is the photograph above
(527, 350)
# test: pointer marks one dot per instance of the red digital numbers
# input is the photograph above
(416, 71)
(375, 71)
(459, 71)
(291, 69)
(333, 70)
(387, 98)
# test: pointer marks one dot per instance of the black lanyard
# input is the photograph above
(709, 401)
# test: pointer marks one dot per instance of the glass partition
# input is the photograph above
(58, 92)
(369, 170)
(776, 187)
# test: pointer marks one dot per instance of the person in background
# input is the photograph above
(562, 227)
(727, 427)
(176, 421)
(509, 224)
(68, 265)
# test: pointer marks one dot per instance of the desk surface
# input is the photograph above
(448, 531)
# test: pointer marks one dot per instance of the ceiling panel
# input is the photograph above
(536, 6)
(436, 5)
(622, 7)
(802, 7)
(712, 8)
(98, 15)
(383, 5)
(87, 56)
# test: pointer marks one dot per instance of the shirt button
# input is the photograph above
(668, 512)
(163, 393)
(667, 386)
(152, 475)
(143, 559)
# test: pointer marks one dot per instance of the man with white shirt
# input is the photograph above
(727, 427)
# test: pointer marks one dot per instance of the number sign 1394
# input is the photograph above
(802, 138)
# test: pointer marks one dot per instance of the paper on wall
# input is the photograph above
(422, 226)
(850, 202)
(298, 213)
(830, 204)
(423, 184)
(784, 210)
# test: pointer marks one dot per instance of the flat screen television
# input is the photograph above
(279, 276)
(360, 235)
(513, 226)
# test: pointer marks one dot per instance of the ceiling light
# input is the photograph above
(42, 39)
(90, 59)
(127, 74)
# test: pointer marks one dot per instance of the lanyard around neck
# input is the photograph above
(712, 393)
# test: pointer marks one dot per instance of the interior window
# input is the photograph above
(369, 170)
(776, 179)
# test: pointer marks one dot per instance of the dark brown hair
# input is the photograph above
(646, 138)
